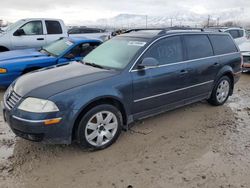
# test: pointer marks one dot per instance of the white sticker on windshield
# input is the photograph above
(136, 43)
(69, 43)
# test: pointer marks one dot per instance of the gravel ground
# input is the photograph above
(194, 146)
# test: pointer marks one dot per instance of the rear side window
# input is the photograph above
(241, 33)
(223, 44)
(198, 46)
(234, 33)
(53, 27)
(166, 51)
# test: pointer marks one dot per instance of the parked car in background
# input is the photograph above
(31, 33)
(87, 32)
(37, 32)
(239, 35)
(127, 78)
(245, 50)
(18, 62)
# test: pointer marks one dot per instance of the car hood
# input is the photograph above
(19, 55)
(48, 82)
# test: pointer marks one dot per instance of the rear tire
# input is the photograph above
(100, 127)
(221, 91)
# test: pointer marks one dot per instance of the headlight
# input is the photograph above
(38, 105)
(2, 70)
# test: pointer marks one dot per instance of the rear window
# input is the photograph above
(223, 44)
(53, 27)
(198, 46)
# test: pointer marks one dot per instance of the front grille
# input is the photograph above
(12, 99)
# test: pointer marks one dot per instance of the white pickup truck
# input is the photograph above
(33, 33)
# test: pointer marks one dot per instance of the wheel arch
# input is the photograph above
(3, 49)
(226, 71)
(98, 101)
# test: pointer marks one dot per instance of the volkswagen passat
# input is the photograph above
(127, 78)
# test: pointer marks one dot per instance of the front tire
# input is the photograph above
(221, 91)
(100, 127)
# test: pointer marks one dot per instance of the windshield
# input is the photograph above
(58, 47)
(115, 53)
(14, 25)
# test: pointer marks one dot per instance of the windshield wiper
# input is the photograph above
(94, 65)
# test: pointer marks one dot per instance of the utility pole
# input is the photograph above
(171, 22)
(218, 21)
(208, 21)
(146, 21)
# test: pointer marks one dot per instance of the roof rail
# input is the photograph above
(164, 30)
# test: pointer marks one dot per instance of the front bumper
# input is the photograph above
(31, 126)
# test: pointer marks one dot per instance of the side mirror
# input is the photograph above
(148, 62)
(19, 32)
(69, 56)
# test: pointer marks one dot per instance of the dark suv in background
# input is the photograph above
(129, 77)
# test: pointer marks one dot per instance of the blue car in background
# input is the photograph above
(16, 63)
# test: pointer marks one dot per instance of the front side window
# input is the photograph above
(115, 53)
(58, 47)
(198, 46)
(166, 51)
(33, 28)
(53, 27)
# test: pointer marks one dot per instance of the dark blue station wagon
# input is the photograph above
(127, 78)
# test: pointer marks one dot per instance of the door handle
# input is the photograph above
(40, 39)
(216, 64)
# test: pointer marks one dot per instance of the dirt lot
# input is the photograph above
(194, 146)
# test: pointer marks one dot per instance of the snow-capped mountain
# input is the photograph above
(173, 19)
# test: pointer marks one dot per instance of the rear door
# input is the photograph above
(202, 65)
(54, 31)
(162, 85)
(33, 36)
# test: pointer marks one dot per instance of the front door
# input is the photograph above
(33, 36)
(164, 84)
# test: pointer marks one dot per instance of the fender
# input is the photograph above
(115, 95)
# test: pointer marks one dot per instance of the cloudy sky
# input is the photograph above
(73, 11)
